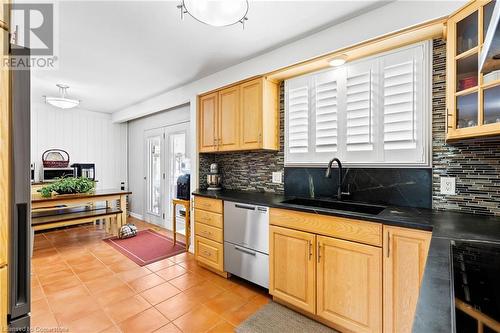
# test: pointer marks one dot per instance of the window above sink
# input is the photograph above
(373, 111)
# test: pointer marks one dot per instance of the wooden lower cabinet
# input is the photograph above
(209, 252)
(349, 284)
(405, 254)
(292, 267)
(3, 299)
(209, 234)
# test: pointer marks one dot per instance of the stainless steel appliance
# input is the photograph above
(86, 170)
(246, 242)
(489, 59)
(20, 224)
(213, 178)
(51, 174)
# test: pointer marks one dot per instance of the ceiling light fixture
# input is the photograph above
(62, 102)
(338, 61)
(217, 13)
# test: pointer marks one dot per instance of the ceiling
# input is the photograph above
(114, 54)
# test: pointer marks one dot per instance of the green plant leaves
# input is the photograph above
(68, 185)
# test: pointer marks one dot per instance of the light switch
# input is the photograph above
(278, 177)
(448, 185)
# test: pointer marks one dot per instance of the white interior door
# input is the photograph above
(154, 147)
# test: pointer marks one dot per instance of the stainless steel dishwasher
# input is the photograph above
(246, 242)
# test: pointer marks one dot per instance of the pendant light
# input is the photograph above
(217, 13)
(62, 102)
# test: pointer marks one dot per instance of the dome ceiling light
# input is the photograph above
(217, 13)
(338, 61)
(62, 102)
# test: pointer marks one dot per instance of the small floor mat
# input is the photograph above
(147, 247)
(275, 318)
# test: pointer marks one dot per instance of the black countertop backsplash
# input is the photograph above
(387, 186)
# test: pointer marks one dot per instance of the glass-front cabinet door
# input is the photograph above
(473, 98)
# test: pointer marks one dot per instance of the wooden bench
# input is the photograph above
(62, 217)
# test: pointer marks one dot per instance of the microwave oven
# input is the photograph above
(51, 174)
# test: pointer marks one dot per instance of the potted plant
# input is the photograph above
(70, 185)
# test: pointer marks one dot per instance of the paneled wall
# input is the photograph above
(88, 137)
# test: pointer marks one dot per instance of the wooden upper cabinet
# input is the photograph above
(251, 114)
(472, 96)
(247, 117)
(405, 254)
(292, 267)
(349, 289)
(207, 123)
(229, 115)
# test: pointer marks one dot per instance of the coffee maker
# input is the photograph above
(214, 178)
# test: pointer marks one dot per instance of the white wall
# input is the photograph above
(390, 18)
(88, 137)
(136, 154)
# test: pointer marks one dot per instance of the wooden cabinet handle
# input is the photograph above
(388, 244)
(310, 250)
(319, 252)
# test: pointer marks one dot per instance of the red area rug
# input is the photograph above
(147, 247)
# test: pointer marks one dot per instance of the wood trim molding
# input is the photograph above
(427, 30)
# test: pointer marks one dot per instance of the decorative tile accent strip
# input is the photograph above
(474, 163)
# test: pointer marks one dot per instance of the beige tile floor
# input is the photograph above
(81, 284)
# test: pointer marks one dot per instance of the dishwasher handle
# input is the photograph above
(241, 249)
(244, 206)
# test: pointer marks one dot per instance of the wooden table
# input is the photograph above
(184, 203)
(109, 195)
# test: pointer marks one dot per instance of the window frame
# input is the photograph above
(313, 159)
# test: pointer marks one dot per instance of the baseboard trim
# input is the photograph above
(137, 216)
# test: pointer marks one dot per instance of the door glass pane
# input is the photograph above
(154, 175)
(487, 13)
(179, 164)
(467, 73)
(467, 110)
(467, 33)
(492, 105)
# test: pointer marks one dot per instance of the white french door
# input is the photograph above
(167, 158)
(154, 145)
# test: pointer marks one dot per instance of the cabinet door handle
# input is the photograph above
(388, 244)
(310, 250)
(319, 252)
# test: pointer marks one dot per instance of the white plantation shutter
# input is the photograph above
(404, 105)
(359, 112)
(374, 111)
(298, 120)
(399, 106)
(326, 106)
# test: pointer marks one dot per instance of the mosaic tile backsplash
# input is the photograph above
(474, 163)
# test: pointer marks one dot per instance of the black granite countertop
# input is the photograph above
(397, 216)
(435, 308)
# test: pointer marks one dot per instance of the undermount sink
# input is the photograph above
(337, 205)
